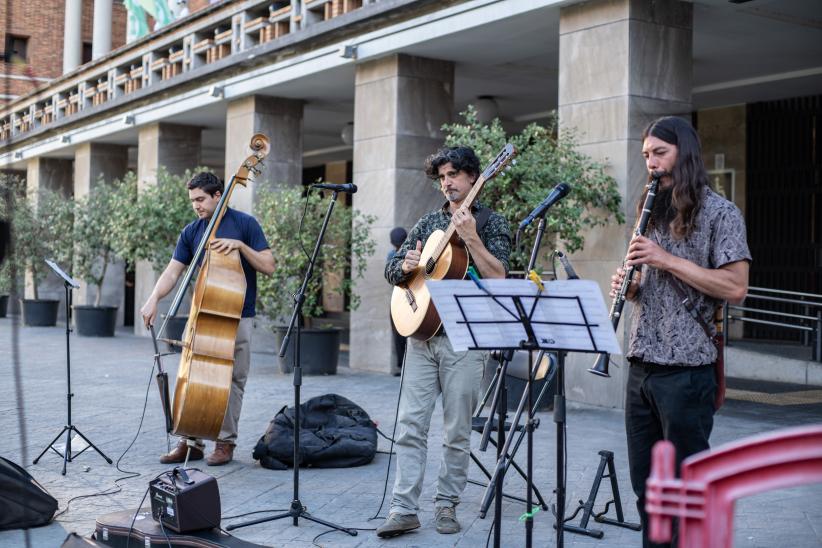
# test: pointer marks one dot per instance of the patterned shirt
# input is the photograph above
(495, 236)
(662, 330)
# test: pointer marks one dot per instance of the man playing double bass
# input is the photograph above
(238, 231)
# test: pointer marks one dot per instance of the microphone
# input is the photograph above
(556, 195)
(348, 187)
(570, 273)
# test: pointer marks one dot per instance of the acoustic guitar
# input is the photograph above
(443, 257)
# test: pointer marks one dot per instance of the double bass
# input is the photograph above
(207, 360)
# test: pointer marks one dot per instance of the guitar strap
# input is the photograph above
(482, 217)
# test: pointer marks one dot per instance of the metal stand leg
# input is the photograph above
(587, 507)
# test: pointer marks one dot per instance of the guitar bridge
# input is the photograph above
(412, 302)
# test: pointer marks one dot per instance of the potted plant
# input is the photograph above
(291, 221)
(6, 284)
(40, 231)
(94, 218)
(148, 224)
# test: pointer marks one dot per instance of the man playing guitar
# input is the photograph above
(432, 367)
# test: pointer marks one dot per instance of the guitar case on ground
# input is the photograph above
(24, 503)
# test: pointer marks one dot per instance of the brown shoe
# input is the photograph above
(223, 453)
(178, 454)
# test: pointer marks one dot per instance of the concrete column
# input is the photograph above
(622, 64)
(101, 36)
(281, 120)
(95, 164)
(400, 103)
(72, 38)
(53, 174)
(177, 148)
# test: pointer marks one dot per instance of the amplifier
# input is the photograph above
(185, 500)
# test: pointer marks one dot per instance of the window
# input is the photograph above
(86, 53)
(16, 49)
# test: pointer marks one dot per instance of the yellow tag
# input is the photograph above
(534, 277)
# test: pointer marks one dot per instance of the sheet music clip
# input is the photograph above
(534, 277)
(472, 273)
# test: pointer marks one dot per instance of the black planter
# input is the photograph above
(4, 305)
(40, 312)
(95, 321)
(319, 351)
(174, 331)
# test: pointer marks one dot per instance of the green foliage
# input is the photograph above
(148, 222)
(543, 161)
(41, 229)
(8, 184)
(346, 240)
(94, 223)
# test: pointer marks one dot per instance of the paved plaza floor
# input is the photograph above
(110, 378)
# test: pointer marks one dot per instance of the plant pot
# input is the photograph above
(95, 321)
(319, 351)
(4, 305)
(40, 312)
(174, 331)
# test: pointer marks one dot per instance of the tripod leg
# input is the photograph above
(306, 515)
(50, 446)
(88, 441)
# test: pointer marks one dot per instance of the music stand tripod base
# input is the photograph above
(69, 283)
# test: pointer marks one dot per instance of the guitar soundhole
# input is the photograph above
(429, 267)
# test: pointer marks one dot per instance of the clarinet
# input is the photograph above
(600, 367)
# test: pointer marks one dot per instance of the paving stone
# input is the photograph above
(110, 378)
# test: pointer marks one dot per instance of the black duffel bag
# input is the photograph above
(23, 502)
(334, 433)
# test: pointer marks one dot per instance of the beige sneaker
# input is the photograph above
(398, 524)
(446, 520)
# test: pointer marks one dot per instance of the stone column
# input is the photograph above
(101, 37)
(622, 64)
(176, 148)
(72, 39)
(400, 103)
(53, 174)
(95, 164)
(281, 120)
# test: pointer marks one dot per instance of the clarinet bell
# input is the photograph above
(600, 367)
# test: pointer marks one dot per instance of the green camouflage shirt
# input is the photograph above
(495, 236)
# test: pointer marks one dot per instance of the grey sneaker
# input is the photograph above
(446, 520)
(398, 524)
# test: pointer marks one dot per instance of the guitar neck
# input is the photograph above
(467, 203)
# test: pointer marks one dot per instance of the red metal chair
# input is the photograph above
(711, 481)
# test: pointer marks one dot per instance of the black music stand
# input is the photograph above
(69, 284)
(297, 510)
(514, 314)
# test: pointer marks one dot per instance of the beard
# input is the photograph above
(663, 211)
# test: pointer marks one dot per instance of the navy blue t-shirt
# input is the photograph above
(235, 225)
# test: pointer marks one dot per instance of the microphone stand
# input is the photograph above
(559, 419)
(297, 510)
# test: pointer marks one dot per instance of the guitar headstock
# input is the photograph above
(505, 156)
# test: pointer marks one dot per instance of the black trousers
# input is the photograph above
(666, 403)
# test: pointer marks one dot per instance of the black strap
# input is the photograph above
(689, 305)
(482, 217)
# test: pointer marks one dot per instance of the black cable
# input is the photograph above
(380, 432)
(129, 473)
(314, 540)
(488, 538)
(255, 512)
(134, 518)
(393, 435)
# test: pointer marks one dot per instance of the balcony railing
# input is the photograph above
(206, 37)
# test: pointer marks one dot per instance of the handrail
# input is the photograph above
(810, 326)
